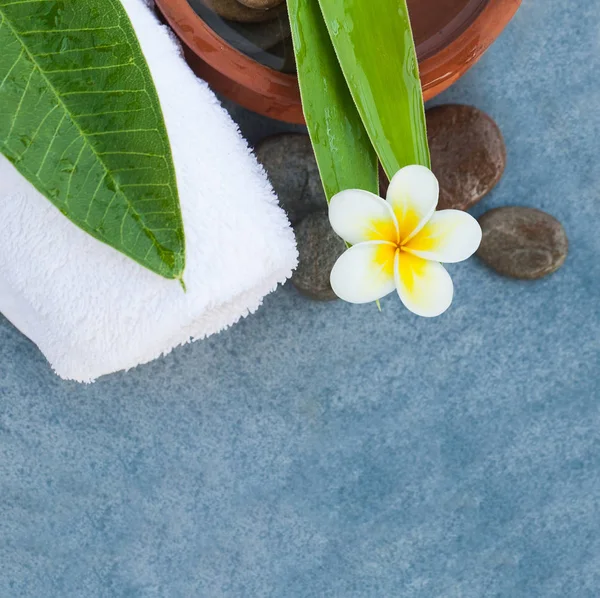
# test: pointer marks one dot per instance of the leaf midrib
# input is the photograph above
(31, 57)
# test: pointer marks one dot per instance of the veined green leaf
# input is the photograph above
(81, 120)
(344, 153)
(375, 47)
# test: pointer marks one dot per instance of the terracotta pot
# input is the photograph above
(451, 36)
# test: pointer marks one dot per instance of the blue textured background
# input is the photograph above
(328, 450)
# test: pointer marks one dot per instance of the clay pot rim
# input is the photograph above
(438, 71)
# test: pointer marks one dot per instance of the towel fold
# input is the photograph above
(93, 311)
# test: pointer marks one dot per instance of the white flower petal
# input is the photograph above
(413, 194)
(449, 236)
(424, 287)
(359, 216)
(365, 272)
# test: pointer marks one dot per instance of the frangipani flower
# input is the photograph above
(398, 243)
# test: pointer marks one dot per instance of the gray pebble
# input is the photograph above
(262, 35)
(292, 169)
(319, 248)
(262, 4)
(522, 242)
(235, 11)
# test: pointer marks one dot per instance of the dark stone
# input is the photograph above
(522, 242)
(384, 182)
(235, 11)
(319, 248)
(468, 154)
(261, 4)
(292, 169)
(261, 35)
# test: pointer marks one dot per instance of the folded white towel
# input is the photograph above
(93, 311)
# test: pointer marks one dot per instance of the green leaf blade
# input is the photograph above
(344, 154)
(81, 120)
(375, 47)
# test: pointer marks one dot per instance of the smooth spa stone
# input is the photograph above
(522, 242)
(468, 154)
(261, 4)
(292, 169)
(318, 247)
(235, 11)
(264, 35)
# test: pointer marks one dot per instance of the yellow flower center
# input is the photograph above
(381, 230)
(392, 242)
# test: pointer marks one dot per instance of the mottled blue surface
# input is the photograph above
(328, 450)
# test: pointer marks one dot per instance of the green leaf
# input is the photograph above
(375, 47)
(81, 120)
(344, 153)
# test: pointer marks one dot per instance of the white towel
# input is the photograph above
(93, 311)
